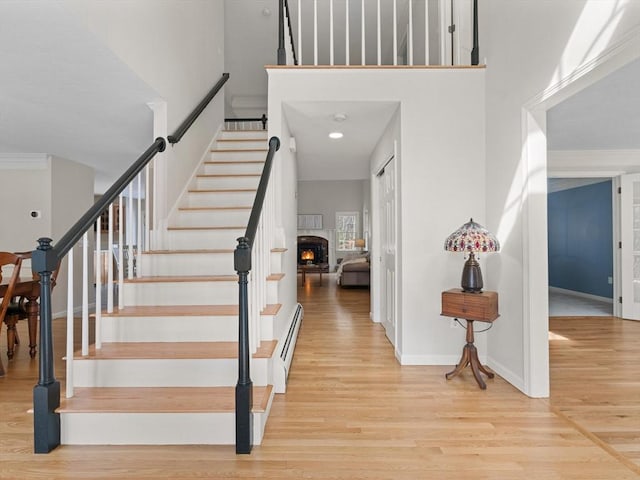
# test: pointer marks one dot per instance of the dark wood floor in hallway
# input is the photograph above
(352, 412)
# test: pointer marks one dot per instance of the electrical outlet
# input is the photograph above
(610, 280)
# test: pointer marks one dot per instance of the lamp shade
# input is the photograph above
(471, 237)
(359, 242)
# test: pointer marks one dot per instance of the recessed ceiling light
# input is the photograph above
(336, 135)
(340, 117)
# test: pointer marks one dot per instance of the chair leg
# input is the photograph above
(12, 337)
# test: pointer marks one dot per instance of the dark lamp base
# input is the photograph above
(471, 276)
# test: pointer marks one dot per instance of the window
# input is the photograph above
(347, 230)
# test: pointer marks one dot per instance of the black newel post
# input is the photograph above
(244, 387)
(282, 53)
(475, 52)
(46, 394)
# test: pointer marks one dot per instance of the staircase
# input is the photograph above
(167, 369)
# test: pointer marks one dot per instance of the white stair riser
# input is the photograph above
(154, 428)
(158, 264)
(277, 259)
(188, 293)
(248, 155)
(246, 143)
(219, 199)
(168, 372)
(203, 239)
(178, 329)
(232, 168)
(216, 218)
(226, 183)
(238, 134)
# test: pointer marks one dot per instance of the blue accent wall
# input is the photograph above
(580, 239)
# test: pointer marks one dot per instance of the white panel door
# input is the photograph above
(387, 189)
(630, 251)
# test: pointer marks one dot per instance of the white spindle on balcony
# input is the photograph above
(394, 24)
(70, 336)
(85, 294)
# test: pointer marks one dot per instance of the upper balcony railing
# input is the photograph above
(378, 32)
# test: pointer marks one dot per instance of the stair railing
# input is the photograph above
(402, 35)
(252, 256)
(246, 123)
(286, 45)
(131, 242)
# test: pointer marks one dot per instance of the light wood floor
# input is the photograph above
(351, 412)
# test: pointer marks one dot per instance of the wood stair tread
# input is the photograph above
(279, 250)
(210, 227)
(264, 139)
(222, 190)
(231, 162)
(194, 278)
(204, 209)
(184, 310)
(235, 150)
(183, 278)
(227, 175)
(160, 400)
(186, 252)
(172, 351)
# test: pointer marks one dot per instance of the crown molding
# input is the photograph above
(24, 161)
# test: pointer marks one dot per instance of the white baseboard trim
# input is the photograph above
(507, 374)
(581, 294)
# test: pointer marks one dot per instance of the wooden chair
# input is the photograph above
(18, 310)
(6, 259)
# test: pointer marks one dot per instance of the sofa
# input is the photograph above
(354, 271)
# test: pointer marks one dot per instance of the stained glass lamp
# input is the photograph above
(472, 237)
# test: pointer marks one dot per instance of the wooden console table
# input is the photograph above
(482, 307)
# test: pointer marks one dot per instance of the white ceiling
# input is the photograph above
(322, 158)
(603, 116)
(64, 93)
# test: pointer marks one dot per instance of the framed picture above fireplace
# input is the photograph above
(309, 222)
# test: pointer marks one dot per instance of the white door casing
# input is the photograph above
(630, 251)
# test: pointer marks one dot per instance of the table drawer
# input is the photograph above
(470, 306)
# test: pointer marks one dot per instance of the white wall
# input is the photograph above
(442, 179)
(61, 190)
(177, 48)
(528, 72)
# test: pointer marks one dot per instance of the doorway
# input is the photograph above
(580, 214)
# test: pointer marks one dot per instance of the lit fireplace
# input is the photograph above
(308, 256)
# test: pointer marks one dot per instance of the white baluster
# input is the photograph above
(379, 37)
(395, 33)
(330, 32)
(363, 32)
(299, 32)
(315, 32)
(110, 263)
(85, 294)
(147, 202)
(346, 30)
(98, 274)
(426, 32)
(120, 252)
(410, 34)
(69, 366)
(139, 224)
(130, 232)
